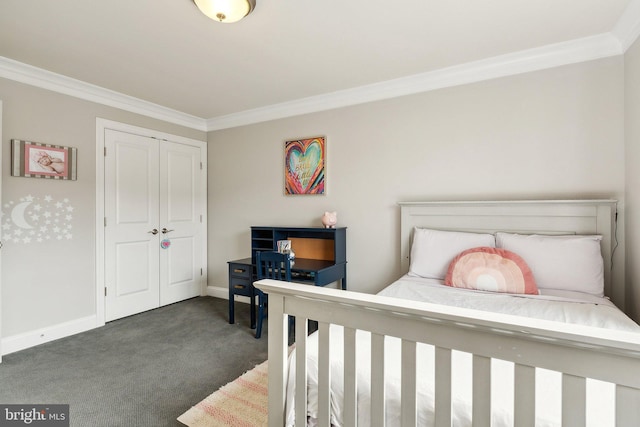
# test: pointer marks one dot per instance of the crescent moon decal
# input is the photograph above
(17, 215)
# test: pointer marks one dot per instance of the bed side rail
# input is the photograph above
(606, 355)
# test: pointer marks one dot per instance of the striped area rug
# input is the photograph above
(241, 403)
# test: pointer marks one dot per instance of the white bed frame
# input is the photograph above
(606, 355)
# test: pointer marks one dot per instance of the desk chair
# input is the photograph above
(270, 265)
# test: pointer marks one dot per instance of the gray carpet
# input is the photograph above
(144, 370)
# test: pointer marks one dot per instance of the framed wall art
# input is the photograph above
(37, 160)
(304, 166)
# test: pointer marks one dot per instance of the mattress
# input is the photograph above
(563, 306)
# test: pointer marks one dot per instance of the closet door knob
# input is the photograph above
(165, 231)
(154, 231)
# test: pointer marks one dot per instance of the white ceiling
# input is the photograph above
(292, 56)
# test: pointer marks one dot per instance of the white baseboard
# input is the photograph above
(218, 292)
(40, 336)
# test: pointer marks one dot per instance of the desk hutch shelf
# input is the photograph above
(320, 258)
(318, 251)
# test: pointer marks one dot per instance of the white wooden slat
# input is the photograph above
(277, 352)
(408, 384)
(627, 406)
(377, 381)
(350, 384)
(301, 372)
(443, 386)
(574, 401)
(324, 374)
(533, 342)
(525, 396)
(481, 412)
(613, 357)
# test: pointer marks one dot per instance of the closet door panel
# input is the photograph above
(180, 220)
(131, 210)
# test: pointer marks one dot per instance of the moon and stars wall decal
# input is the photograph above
(34, 219)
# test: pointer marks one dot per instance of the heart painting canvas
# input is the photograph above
(304, 161)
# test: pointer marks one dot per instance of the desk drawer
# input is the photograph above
(241, 287)
(240, 270)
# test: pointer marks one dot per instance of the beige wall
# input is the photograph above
(49, 283)
(632, 193)
(556, 133)
(551, 134)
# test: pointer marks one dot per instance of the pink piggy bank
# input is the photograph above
(329, 219)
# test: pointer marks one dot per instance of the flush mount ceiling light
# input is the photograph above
(226, 11)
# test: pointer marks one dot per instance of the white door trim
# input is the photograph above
(101, 125)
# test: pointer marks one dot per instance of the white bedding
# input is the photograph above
(571, 307)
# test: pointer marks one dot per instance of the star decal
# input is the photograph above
(34, 219)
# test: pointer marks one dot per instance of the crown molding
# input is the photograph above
(38, 77)
(627, 29)
(580, 50)
(574, 51)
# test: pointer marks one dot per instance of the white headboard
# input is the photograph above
(524, 217)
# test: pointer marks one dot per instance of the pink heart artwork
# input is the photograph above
(304, 166)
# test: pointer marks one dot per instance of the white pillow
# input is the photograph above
(570, 263)
(433, 250)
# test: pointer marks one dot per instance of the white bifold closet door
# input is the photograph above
(153, 242)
